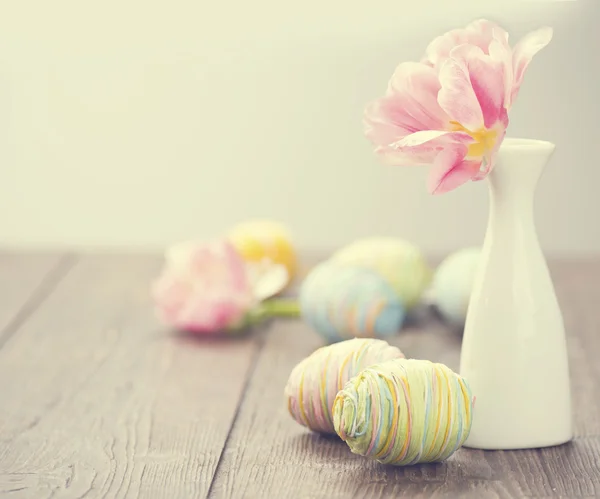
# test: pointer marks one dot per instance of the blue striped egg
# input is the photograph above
(342, 302)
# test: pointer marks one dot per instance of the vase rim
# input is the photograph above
(522, 143)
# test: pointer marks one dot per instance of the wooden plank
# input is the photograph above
(25, 280)
(99, 400)
(578, 294)
(269, 455)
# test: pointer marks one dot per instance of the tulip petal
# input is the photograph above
(394, 157)
(236, 266)
(267, 278)
(409, 105)
(178, 256)
(524, 52)
(414, 87)
(457, 97)
(478, 33)
(204, 287)
(428, 144)
(209, 317)
(484, 29)
(501, 52)
(486, 75)
(440, 47)
(432, 138)
(385, 122)
(171, 293)
(450, 170)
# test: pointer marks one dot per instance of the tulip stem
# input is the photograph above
(281, 308)
(274, 308)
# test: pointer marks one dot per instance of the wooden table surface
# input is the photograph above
(97, 399)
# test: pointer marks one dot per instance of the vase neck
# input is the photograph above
(513, 183)
(518, 168)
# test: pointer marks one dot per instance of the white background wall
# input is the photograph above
(137, 123)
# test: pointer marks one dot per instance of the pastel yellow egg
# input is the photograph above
(401, 263)
(258, 239)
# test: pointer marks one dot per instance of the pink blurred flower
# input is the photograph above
(451, 109)
(208, 287)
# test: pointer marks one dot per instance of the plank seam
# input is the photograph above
(261, 341)
(43, 290)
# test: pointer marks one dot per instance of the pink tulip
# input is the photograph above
(207, 287)
(451, 109)
(203, 288)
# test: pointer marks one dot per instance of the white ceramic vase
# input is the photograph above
(514, 353)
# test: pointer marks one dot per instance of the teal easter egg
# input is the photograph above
(342, 302)
(401, 263)
(452, 284)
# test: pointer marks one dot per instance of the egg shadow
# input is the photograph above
(435, 314)
(327, 449)
(417, 316)
(324, 446)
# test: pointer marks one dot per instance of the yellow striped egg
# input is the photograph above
(400, 262)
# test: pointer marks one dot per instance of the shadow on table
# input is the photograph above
(216, 338)
(465, 463)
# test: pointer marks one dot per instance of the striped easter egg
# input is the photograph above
(342, 302)
(404, 411)
(314, 382)
(401, 263)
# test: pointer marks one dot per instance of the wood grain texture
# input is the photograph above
(98, 400)
(269, 455)
(25, 281)
(578, 291)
